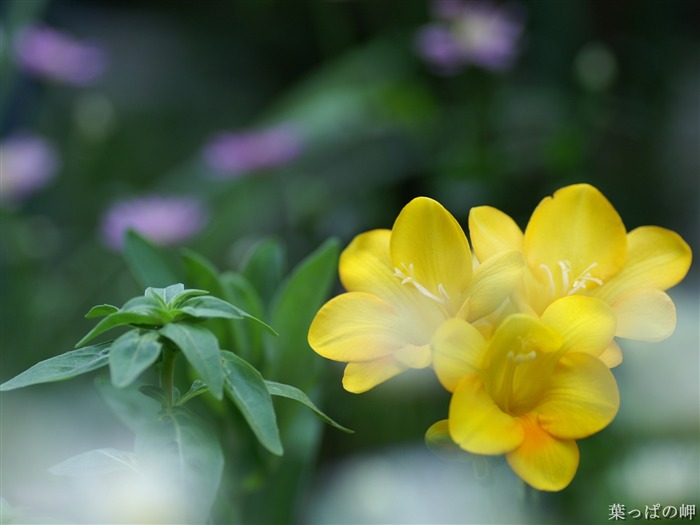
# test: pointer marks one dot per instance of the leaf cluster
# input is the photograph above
(224, 357)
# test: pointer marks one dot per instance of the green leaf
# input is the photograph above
(121, 318)
(156, 393)
(101, 310)
(246, 388)
(165, 294)
(185, 457)
(143, 304)
(197, 388)
(209, 307)
(264, 266)
(131, 354)
(201, 272)
(130, 406)
(148, 264)
(178, 299)
(291, 392)
(202, 351)
(295, 305)
(96, 463)
(60, 367)
(247, 337)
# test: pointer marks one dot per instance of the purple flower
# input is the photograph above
(480, 33)
(27, 163)
(162, 220)
(53, 55)
(233, 154)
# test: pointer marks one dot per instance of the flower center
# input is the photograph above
(571, 286)
(407, 276)
(504, 396)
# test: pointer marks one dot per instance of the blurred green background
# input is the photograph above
(598, 92)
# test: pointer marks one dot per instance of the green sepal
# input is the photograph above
(292, 392)
(201, 349)
(131, 354)
(60, 367)
(96, 463)
(247, 389)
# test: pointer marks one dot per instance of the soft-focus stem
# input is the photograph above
(167, 374)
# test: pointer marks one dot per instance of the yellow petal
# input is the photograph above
(586, 324)
(477, 424)
(457, 347)
(362, 376)
(492, 282)
(656, 258)
(439, 441)
(520, 333)
(644, 314)
(542, 461)
(574, 233)
(365, 266)
(518, 362)
(414, 356)
(612, 356)
(430, 249)
(357, 326)
(493, 232)
(581, 400)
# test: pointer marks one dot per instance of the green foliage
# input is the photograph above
(149, 265)
(96, 462)
(290, 392)
(264, 267)
(246, 388)
(172, 443)
(180, 452)
(64, 366)
(201, 349)
(293, 307)
(131, 354)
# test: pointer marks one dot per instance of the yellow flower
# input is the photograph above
(533, 388)
(576, 244)
(402, 284)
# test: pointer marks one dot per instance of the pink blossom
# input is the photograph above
(162, 220)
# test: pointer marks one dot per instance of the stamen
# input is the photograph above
(551, 278)
(505, 391)
(565, 271)
(581, 282)
(569, 287)
(409, 278)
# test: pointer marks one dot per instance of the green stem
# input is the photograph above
(167, 373)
